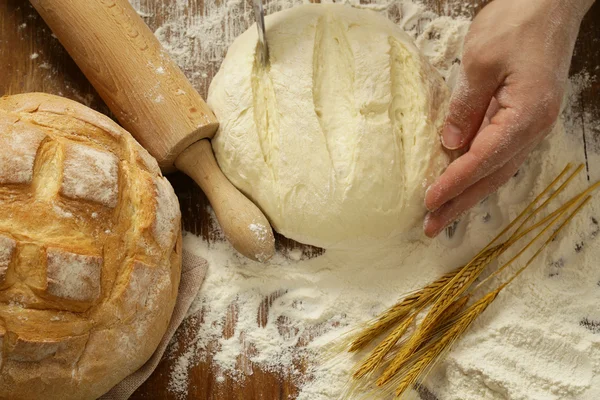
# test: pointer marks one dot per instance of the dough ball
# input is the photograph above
(338, 138)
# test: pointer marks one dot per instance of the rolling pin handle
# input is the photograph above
(152, 99)
(243, 224)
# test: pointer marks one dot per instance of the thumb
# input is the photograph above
(470, 100)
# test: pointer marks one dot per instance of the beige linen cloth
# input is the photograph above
(193, 271)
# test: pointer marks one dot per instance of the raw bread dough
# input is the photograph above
(338, 139)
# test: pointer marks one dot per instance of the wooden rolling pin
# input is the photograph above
(154, 101)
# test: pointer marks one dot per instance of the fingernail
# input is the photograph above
(427, 228)
(427, 206)
(451, 137)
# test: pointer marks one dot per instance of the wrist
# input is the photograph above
(583, 6)
(574, 8)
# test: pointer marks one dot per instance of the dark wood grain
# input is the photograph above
(31, 59)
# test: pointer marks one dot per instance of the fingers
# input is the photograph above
(436, 221)
(493, 147)
(470, 101)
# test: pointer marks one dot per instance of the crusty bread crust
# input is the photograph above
(90, 250)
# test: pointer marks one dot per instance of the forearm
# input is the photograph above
(580, 7)
(564, 9)
(587, 4)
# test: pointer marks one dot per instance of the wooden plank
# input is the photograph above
(32, 60)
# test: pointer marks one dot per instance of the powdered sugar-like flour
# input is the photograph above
(539, 340)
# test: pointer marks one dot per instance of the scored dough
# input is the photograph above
(338, 138)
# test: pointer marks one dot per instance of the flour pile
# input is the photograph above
(539, 340)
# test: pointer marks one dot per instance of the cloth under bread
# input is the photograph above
(193, 271)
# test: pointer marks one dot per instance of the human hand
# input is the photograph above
(507, 98)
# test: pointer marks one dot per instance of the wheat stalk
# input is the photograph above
(456, 287)
(383, 348)
(554, 216)
(531, 206)
(433, 351)
(446, 320)
(401, 310)
(551, 197)
(420, 298)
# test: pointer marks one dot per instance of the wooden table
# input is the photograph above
(32, 60)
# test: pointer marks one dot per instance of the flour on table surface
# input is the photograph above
(539, 340)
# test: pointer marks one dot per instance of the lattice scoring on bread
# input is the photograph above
(140, 289)
(166, 212)
(88, 233)
(7, 250)
(2, 336)
(18, 147)
(73, 276)
(90, 174)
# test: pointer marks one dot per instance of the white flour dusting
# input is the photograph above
(539, 340)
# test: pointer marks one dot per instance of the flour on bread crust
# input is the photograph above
(90, 250)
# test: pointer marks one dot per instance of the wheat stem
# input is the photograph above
(551, 197)
(414, 301)
(550, 239)
(383, 348)
(562, 210)
(433, 351)
(527, 209)
(456, 287)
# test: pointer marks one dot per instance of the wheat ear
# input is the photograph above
(378, 354)
(432, 352)
(383, 348)
(456, 287)
(446, 319)
(400, 310)
(420, 298)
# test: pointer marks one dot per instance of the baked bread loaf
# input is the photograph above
(90, 250)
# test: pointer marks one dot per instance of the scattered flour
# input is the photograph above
(539, 340)
(259, 230)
